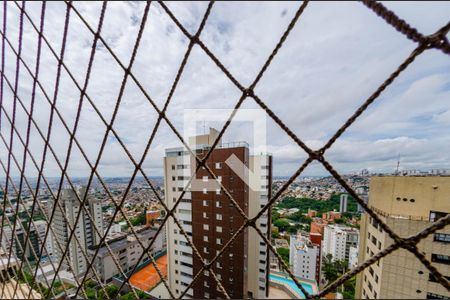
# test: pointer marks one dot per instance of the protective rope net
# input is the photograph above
(13, 190)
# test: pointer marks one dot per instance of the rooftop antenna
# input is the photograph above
(398, 165)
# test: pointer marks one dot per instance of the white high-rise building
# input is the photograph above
(337, 241)
(343, 203)
(84, 229)
(303, 257)
(210, 220)
(353, 257)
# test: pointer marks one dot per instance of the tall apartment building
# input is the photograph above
(208, 216)
(84, 229)
(304, 257)
(337, 241)
(126, 250)
(32, 248)
(407, 205)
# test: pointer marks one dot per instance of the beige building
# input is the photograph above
(407, 205)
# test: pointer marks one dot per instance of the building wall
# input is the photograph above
(258, 252)
(243, 268)
(207, 206)
(83, 229)
(338, 240)
(400, 274)
(177, 171)
(303, 257)
(126, 251)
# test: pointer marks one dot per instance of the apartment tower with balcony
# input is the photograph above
(407, 205)
(64, 220)
(210, 220)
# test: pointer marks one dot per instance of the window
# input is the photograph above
(374, 240)
(173, 167)
(219, 241)
(218, 165)
(442, 237)
(173, 178)
(205, 191)
(205, 178)
(432, 278)
(376, 278)
(218, 228)
(174, 189)
(205, 203)
(436, 215)
(440, 258)
(206, 273)
(217, 191)
(219, 266)
(205, 238)
(218, 217)
(207, 295)
(219, 178)
(205, 216)
(206, 284)
(205, 250)
(205, 227)
(436, 296)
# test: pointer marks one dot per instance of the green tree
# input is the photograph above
(332, 270)
(321, 206)
(282, 224)
(111, 290)
(284, 253)
(349, 288)
(90, 293)
(339, 221)
(292, 230)
(300, 217)
(138, 220)
(128, 296)
(89, 283)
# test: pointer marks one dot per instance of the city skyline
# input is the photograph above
(317, 163)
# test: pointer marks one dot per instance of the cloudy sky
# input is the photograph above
(335, 57)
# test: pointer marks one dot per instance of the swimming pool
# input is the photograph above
(292, 285)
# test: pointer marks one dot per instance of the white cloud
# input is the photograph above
(335, 57)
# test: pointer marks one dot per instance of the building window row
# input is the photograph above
(432, 278)
(436, 296)
(442, 237)
(440, 258)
